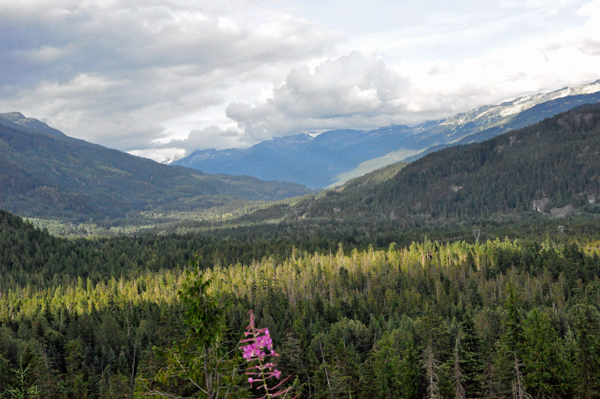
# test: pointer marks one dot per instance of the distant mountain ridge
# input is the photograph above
(335, 157)
(44, 173)
(551, 167)
(311, 161)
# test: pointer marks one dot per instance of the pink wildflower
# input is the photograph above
(260, 346)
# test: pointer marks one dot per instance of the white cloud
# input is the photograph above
(162, 155)
(115, 72)
(164, 76)
(210, 137)
(361, 91)
(339, 93)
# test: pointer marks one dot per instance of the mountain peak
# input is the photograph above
(12, 116)
(17, 118)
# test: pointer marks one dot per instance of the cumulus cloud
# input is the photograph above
(350, 91)
(210, 137)
(115, 72)
(361, 91)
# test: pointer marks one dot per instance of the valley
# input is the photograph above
(299, 199)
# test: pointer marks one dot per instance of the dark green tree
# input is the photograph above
(543, 360)
(586, 325)
(508, 366)
(469, 357)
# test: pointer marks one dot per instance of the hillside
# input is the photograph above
(47, 174)
(334, 157)
(555, 162)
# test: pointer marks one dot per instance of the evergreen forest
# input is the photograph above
(116, 317)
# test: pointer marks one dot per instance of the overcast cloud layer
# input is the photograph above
(161, 78)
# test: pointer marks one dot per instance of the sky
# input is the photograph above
(162, 78)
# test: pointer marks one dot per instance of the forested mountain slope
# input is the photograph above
(555, 162)
(45, 173)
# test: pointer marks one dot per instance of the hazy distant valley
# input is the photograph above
(45, 174)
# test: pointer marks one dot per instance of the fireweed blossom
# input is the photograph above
(257, 352)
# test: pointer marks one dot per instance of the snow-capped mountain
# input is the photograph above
(334, 157)
(489, 114)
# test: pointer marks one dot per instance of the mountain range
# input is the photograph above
(44, 173)
(334, 157)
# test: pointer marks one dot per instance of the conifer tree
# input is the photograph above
(459, 389)
(200, 361)
(543, 362)
(587, 355)
(507, 362)
(468, 352)
(411, 375)
(431, 366)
